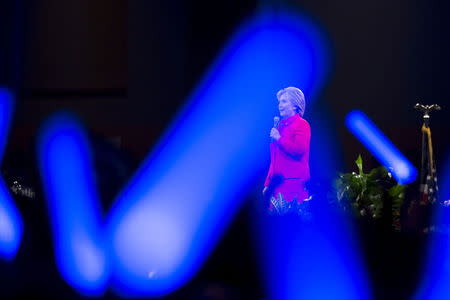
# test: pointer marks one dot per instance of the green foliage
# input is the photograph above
(374, 195)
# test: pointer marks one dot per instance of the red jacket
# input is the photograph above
(289, 156)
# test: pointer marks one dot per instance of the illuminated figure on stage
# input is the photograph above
(289, 154)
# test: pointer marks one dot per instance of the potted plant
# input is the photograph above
(373, 196)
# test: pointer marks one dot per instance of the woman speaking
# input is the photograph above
(289, 153)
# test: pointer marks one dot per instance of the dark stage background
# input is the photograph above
(126, 67)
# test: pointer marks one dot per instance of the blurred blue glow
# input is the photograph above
(169, 217)
(380, 146)
(11, 226)
(444, 183)
(315, 259)
(65, 165)
(319, 258)
(435, 283)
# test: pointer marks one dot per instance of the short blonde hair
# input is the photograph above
(295, 95)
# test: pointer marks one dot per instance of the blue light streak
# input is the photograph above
(189, 187)
(316, 259)
(171, 214)
(11, 225)
(435, 283)
(380, 146)
(78, 235)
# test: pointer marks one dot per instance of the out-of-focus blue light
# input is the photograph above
(11, 226)
(65, 165)
(380, 146)
(172, 213)
(435, 283)
(315, 259)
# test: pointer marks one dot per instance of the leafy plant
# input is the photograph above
(374, 195)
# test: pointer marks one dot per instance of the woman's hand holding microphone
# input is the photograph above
(275, 134)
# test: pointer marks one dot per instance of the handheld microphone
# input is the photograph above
(276, 120)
